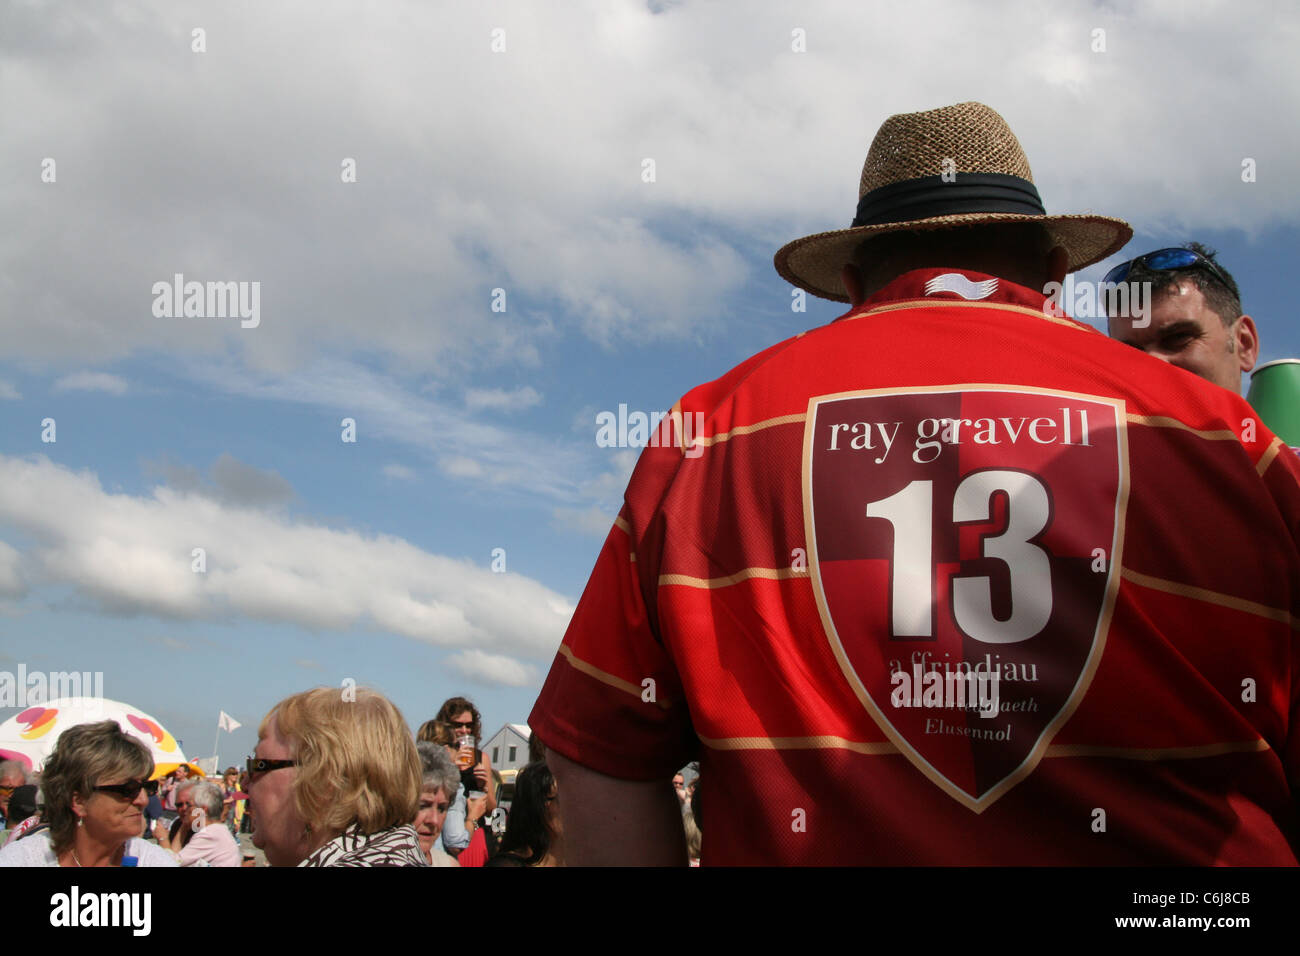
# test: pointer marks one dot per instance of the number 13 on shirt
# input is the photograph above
(956, 530)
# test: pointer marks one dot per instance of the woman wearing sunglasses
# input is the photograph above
(336, 782)
(94, 786)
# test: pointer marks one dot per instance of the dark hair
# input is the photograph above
(536, 749)
(1223, 299)
(1018, 250)
(455, 706)
(527, 834)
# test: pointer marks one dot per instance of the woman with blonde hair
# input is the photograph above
(94, 785)
(336, 782)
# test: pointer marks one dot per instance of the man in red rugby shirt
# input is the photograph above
(950, 580)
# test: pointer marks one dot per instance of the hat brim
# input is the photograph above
(814, 263)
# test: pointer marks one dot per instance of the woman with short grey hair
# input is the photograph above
(439, 781)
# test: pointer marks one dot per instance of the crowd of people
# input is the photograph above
(337, 779)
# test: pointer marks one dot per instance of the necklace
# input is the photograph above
(78, 862)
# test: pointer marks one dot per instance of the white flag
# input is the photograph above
(226, 722)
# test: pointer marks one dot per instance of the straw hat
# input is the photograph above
(906, 184)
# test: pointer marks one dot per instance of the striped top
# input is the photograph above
(396, 846)
(951, 582)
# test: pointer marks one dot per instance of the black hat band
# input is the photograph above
(931, 196)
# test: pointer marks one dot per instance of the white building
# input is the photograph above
(508, 748)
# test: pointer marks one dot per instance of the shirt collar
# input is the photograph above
(937, 286)
(350, 839)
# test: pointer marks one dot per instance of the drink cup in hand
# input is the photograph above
(465, 756)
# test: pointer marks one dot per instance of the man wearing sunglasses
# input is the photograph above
(1196, 322)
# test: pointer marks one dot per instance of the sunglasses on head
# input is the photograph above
(130, 790)
(1169, 260)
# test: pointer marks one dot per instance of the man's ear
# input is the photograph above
(1057, 261)
(1246, 337)
(852, 280)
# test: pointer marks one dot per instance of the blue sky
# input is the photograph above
(518, 169)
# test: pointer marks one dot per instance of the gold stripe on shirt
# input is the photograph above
(591, 670)
(822, 742)
(1161, 421)
(956, 304)
(769, 574)
(720, 437)
(1210, 597)
(1158, 753)
(1270, 453)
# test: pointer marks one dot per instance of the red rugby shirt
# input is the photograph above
(885, 512)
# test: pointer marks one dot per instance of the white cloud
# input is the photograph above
(538, 465)
(132, 555)
(492, 668)
(382, 407)
(499, 399)
(754, 144)
(398, 472)
(91, 382)
(11, 582)
(8, 391)
(461, 467)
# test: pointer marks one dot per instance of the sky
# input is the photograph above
(472, 228)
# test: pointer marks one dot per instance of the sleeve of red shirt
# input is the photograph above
(613, 700)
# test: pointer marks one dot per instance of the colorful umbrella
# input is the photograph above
(29, 736)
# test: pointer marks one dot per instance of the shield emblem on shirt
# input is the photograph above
(965, 545)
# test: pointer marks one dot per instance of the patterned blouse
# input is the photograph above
(396, 846)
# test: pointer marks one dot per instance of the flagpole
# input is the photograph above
(215, 741)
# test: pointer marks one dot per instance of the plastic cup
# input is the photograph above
(465, 755)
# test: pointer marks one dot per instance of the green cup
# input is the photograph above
(1275, 395)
